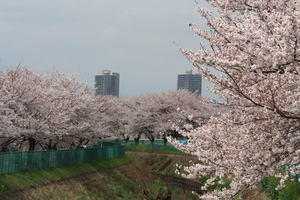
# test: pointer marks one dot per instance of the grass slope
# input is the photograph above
(110, 179)
(24, 179)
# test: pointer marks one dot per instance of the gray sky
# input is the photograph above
(133, 37)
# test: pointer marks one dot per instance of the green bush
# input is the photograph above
(217, 185)
(159, 188)
(269, 185)
(291, 191)
(125, 189)
(154, 167)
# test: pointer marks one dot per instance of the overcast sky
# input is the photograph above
(131, 37)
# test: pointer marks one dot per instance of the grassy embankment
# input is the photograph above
(291, 191)
(35, 184)
(24, 179)
(145, 148)
(115, 178)
(19, 180)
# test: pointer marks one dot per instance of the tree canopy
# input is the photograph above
(255, 46)
(54, 111)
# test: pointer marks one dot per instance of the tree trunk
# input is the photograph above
(165, 139)
(4, 149)
(136, 140)
(32, 144)
(151, 139)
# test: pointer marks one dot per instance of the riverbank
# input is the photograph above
(137, 176)
(165, 164)
(122, 180)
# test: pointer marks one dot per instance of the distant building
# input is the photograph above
(107, 83)
(189, 81)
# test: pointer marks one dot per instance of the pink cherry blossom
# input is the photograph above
(255, 45)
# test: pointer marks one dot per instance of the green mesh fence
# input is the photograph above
(18, 161)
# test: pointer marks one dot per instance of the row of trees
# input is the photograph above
(54, 111)
(255, 45)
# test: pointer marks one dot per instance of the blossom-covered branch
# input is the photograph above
(254, 44)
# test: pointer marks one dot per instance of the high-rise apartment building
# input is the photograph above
(189, 81)
(107, 83)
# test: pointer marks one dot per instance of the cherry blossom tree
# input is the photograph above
(60, 103)
(255, 46)
(180, 107)
(106, 117)
(16, 99)
(50, 111)
(153, 114)
(135, 117)
(126, 105)
(8, 116)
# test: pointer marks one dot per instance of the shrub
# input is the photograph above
(291, 191)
